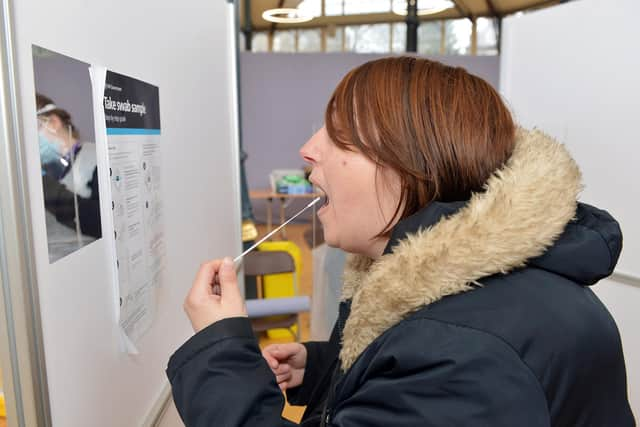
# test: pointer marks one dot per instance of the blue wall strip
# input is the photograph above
(127, 131)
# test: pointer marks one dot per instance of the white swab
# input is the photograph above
(216, 285)
(239, 257)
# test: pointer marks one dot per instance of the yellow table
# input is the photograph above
(268, 195)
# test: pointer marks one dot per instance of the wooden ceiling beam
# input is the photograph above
(272, 28)
(492, 9)
(369, 18)
(538, 5)
(462, 10)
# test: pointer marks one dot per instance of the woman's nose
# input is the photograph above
(308, 151)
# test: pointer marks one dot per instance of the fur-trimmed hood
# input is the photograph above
(525, 208)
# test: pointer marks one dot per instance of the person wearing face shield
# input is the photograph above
(69, 177)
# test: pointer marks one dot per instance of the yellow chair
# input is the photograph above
(282, 285)
(279, 313)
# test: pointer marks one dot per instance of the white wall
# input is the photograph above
(572, 70)
(185, 50)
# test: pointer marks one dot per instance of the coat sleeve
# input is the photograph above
(219, 378)
(429, 373)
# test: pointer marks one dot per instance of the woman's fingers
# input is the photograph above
(271, 361)
(283, 369)
(283, 351)
(203, 305)
(283, 378)
(204, 278)
(229, 281)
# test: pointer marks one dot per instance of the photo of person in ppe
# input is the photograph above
(69, 181)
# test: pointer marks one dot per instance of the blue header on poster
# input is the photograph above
(135, 131)
(131, 105)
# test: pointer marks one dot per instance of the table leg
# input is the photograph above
(283, 233)
(269, 214)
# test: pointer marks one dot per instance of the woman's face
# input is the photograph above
(360, 197)
(54, 129)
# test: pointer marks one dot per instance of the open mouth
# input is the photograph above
(324, 199)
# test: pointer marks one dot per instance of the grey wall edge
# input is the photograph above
(22, 310)
(159, 408)
(627, 279)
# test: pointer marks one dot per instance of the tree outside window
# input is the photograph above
(399, 34)
(334, 36)
(309, 40)
(260, 42)
(367, 38)
(429, 38)
(458, 37)
(486, 29)
(284, 41)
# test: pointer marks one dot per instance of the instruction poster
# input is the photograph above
(132, 117)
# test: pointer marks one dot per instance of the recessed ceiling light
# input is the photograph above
(286, 15)
(424, 7)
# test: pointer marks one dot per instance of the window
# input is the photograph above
(241, 41)
(367, 38)
(284, 41)
(444, 37)
(458, 37)
(355, 7)
(429, 37)
(260, 42)
(487, 36)
(311, 7)
(399, 34)
(334, 36)
(333, 7)
(309, 40)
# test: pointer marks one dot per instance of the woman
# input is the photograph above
(465, 300)
(69, 172)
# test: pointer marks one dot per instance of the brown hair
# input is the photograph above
(42, 101)
(442, 129)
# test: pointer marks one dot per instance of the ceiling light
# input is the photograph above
(286, 15)
(424, 7)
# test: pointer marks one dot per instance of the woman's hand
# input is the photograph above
(287, 361)
(204, 306)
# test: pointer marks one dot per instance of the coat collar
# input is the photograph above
(525, 207)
